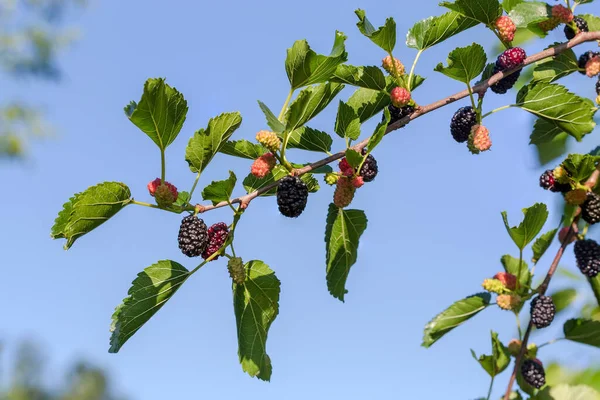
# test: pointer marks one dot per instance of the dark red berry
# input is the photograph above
(217, 235)
(542, 311)
(511, 58)
(547, 180)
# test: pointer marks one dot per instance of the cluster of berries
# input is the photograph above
(563, 15)
(292, 192)
(464, 128)
(195, 239)
(349, 179)
(542, 312)
(509, 59)
(402, 103)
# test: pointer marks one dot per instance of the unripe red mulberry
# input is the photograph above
(479, 139)
(562, 13)
(506, 28)
(152, 186)
(358, 181)
(394, 68)
(345, 167)
(400, 96)
(344, 192)
(166, 194)
(549, 24)
(508, 280)
(263, 165)
(268, 139)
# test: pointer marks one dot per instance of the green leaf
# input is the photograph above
(498, 361)
(567, 392)
(205, 143)
(552, 150)
(544, 131)
(508, 5)
(535, 218)
(379, 132)
(148, 293)
(252, 183)
(541, 245)
(88, 210)
(433, 30)
(58, 229)
(312, 184)
(256, 305)
(347, 123)
(530, 12)
(557, 67)
(272, 121)
(182, 198)
(243, 148)
(219, 191)
(367, 103)
(342, 234)
(555, 104)
(484, 11)
(354, 157)
(306, 138)
(580, 166)
(583, 331)
(563, 298)
(511, 265)
(367, 77)
(305, 67)
(402, 81)
(310, 102)
(384, 36)
(464, 63)
(453, 316)
(592, 21)
(160, 113)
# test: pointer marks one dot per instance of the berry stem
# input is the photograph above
(412, 70)
(489, 396)
(471, 97)
(519, 326)
(550, 342)
(497, 109)
(595, 284)
(162, 166)
(141, 203)
(285, 105)
(194, 187)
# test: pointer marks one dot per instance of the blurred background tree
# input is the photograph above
(32, 33)
(27, 380)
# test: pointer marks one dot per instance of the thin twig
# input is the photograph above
(480, 88)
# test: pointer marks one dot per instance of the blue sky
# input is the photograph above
(434, 230)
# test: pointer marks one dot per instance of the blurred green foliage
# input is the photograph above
(32, 33)
(27, 382)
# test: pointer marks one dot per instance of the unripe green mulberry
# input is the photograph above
(235, 266)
